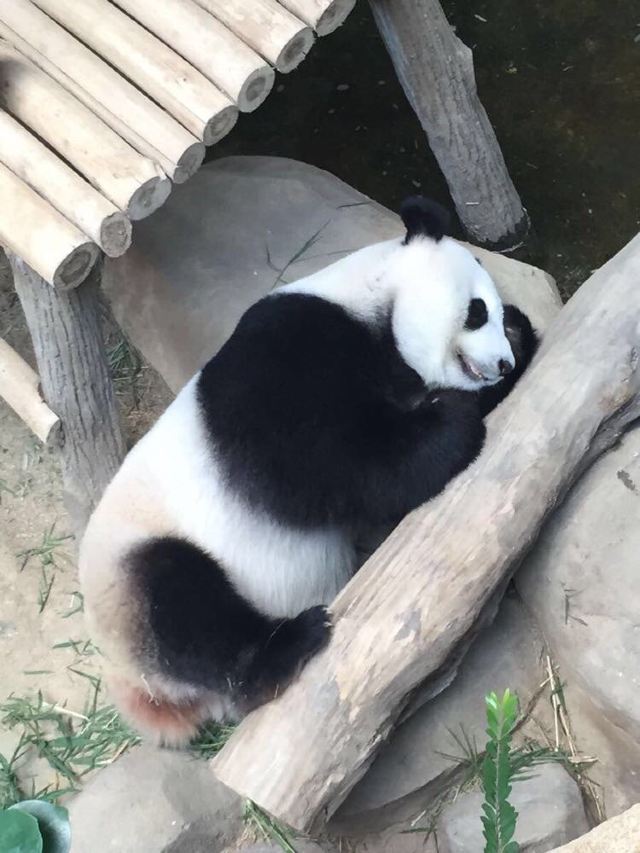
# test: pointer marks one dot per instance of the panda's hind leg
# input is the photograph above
(217, 654)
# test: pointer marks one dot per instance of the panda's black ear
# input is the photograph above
(423, 217)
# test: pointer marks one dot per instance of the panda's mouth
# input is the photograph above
(471, 368)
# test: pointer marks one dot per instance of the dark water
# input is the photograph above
(560, 81)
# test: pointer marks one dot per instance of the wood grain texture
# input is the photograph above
(436, 72)
(127, 111)
(400, 621)
(67, 340)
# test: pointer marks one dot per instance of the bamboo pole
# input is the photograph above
(127, 111)
(156, 69)
(63, 188)
(20, 387)
(132, 182)
(404, 616)
(36, 232)
(208, 45)
(269, 28)
(324, 16)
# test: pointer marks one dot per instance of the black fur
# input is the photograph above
(423, 217)
(524, 343)
(317, 419)
(477, 314)
(201, 631)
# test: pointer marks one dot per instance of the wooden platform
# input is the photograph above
(106, 104)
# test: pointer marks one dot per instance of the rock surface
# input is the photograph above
(414, 759)
(155, 801)
(549, 807)
(621, 834)
(582, 583)
(245, 225)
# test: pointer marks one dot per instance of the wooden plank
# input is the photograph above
(324, 16)
(20, 387)
(403, 617)
(30, 227)
(63, 188)
(156, 69)
(132, 182)
(268, 27)
(137, 119)
(209, 46)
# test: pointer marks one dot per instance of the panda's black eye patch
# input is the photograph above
(477, 314)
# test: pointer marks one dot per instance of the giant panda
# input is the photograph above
(340, 403)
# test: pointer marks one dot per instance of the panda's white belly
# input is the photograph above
(278, 568)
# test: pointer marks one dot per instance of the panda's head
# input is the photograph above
(447, 315)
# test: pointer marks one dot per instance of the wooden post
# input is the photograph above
(20, 387)
(324, 16)
(436, 72)
(67, 339)
(402, 618)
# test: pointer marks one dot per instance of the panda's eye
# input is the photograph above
(477, 314)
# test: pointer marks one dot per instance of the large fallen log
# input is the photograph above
(405, 615)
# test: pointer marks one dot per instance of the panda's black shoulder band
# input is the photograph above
(424, 217)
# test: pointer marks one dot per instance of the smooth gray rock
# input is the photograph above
(242, 226)
(549, 809)
(155, 801)
(414, 759)
(582, 582)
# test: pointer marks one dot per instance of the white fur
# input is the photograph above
(428, 286)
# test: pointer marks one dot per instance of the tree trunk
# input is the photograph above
(436, 72)
(407, 611)
(67, 339)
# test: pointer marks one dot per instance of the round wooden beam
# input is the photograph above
(37, 232)
(67, 341)
(132, 182)
(63, 188)
(131, 114)
(209, 46)
(20, 388)
(272, 30)
(324, 16)
(156, 69)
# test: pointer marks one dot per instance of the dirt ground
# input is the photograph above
(44, 645)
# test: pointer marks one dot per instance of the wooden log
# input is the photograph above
(127, 111)
(63, 188)
(67, 340)
(132, 182)
(20, 387)
(403, 616)
(324, 16)
(209, 46)
(436, 72)
(31, 228)
(156, 69)
(268, 27)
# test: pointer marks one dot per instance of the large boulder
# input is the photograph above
(242, 226)
(155, 801)
(582, 582)
(621, 834)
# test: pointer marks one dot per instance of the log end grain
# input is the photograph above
(335, 15)
(115, 235)
(148, 197)
(295, 50)
(189, 163)
(75, 267)
(256, 88)
(219, 125)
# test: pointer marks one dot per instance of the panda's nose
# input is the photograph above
(504, 367)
